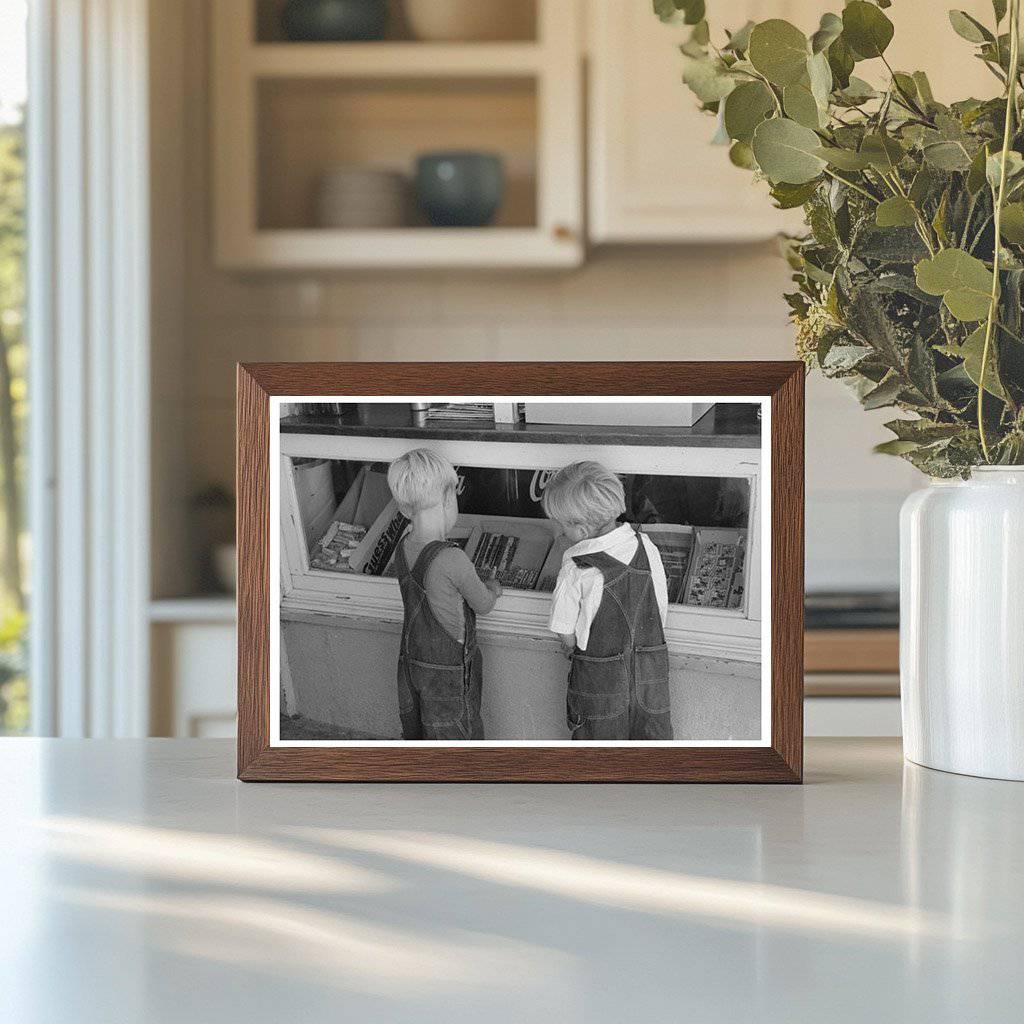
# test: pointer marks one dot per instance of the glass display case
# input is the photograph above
(697, 496)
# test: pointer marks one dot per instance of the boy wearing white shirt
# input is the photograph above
(608, 610)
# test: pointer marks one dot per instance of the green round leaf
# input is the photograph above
(896, 447)
(947, 156)
(741, 155)
(745, 108)
(993, 166)
(840, 61)
(819, 75)
(857, 91)
(844, 159)
(976, 174)
(883, 152)
(829, 30)
(787, 152)
(969, 28)
(693, 11)
(972, 351)
(690, 12)
(801, 106)
(707, 79)
(924, 87)
(740, 39)
(1012, 224)
(895, 212)
(779, 51)
(866, 29)
(788, 197)
(963, 281)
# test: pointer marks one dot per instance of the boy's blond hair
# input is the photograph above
(584, 494)
(421, 479)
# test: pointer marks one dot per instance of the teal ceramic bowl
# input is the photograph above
(334, 21)
(460, 189)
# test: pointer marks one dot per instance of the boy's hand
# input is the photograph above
(568, 642)
(493, 586)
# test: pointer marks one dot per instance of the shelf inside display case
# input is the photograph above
(351, 526)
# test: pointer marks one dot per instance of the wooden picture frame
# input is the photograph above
(779, 759)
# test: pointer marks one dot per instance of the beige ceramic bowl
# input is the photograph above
(357, 197)
(471, 20)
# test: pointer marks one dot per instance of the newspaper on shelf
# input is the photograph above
(716, 575)
(675, 545)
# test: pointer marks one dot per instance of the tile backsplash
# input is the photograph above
(708, 303)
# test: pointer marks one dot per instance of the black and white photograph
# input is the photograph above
(506, 571)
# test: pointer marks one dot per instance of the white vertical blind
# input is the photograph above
(88, 337)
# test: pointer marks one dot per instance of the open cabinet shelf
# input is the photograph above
(288, 114)
(393, 60)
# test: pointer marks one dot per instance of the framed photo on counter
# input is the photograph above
(520, 571)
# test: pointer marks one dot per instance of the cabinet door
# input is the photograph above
(654, 177)
(653, 174)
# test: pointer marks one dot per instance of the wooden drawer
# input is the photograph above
(852, 650)
(851, 663)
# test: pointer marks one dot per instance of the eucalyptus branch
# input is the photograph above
(853, 185)
(1011, 109)
(995, 71)
(911, 296)
(909, 100)
(774, 95)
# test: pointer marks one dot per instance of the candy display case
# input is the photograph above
(696, 493)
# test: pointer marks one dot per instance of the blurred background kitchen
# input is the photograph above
(360, 179)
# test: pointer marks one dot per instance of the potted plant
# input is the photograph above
(909, 286)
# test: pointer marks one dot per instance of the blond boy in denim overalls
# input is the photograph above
(608, 610)
(440, 667)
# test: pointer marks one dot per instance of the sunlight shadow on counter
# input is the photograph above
(642, 889)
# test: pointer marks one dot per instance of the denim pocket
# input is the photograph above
(652, 678)
(442, 693)
(598, 688)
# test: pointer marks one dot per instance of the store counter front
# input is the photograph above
(696, 491)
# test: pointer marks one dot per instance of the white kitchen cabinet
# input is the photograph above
(286, 114)
(192, 644)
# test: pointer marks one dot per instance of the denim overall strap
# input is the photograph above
(401, 565)
(425, 559)
(640, 562)
(611, 568)
(420, 628)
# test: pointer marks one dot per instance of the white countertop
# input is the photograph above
(140, 882)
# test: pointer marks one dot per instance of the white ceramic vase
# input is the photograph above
(962, 624)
